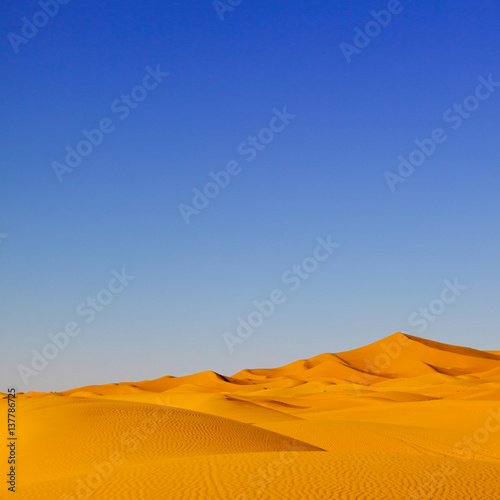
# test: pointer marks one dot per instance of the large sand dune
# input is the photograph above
(402, 418)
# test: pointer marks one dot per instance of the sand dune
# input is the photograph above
(403, 417)
(321, 476)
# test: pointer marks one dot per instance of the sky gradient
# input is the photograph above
(320, 174)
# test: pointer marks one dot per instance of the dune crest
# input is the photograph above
(366, 424)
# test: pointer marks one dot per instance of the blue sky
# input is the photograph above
(322, 175)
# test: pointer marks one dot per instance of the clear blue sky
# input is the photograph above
(322, 174)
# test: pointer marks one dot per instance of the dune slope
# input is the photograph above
(404, 417)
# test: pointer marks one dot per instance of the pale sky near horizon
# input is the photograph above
(308, 130)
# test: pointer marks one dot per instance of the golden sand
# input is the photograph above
(403, 418)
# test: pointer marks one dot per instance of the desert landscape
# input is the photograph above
(214, 215)
(402, 418)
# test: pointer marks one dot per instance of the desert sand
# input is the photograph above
(402, 418)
